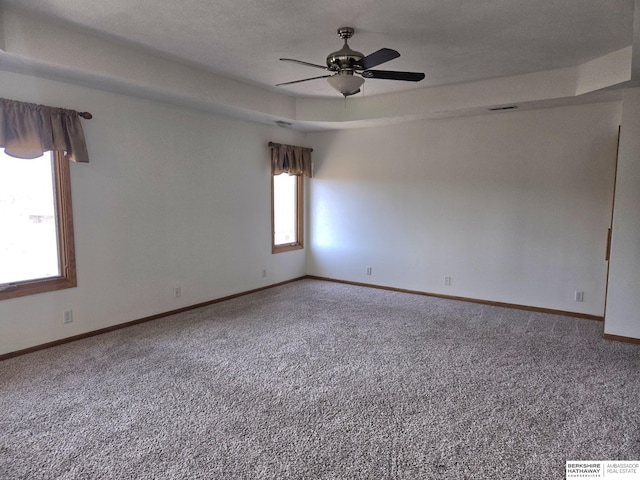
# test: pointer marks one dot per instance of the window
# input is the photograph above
(36, 247)
(289, 166)
(287, 207)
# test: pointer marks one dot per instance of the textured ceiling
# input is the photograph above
(451, 42)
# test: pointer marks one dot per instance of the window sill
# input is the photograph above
(286, 248)
(22, 289)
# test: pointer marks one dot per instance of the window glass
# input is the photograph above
(285, 199)
(286, 212)
(29, 244)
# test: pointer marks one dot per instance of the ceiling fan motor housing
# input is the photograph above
(344, 60)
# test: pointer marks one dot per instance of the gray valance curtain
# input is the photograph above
(290, 159)
(28, 130)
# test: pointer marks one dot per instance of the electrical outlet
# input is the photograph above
(369, 270)
(447, 281)
(579, 296)
(177, 292)
(67, 316)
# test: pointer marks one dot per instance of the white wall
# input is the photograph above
(623, 302)
(513, 206)
(171, 197)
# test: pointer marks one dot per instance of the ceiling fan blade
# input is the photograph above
(303, 80)
(391, 75)
(376, 58)
(304, 63)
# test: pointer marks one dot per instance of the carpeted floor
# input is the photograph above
(323, 380)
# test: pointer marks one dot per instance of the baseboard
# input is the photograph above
(620, 338)
(119, 326)
(465, 299)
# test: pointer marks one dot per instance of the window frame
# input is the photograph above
(66, 247)
(299, 244)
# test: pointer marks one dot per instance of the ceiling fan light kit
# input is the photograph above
(345, 83)
(349, 66)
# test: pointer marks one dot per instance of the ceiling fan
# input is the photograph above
(345, 64)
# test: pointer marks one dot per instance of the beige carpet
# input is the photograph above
(323, 380)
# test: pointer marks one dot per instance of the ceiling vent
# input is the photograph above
(498, 109)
